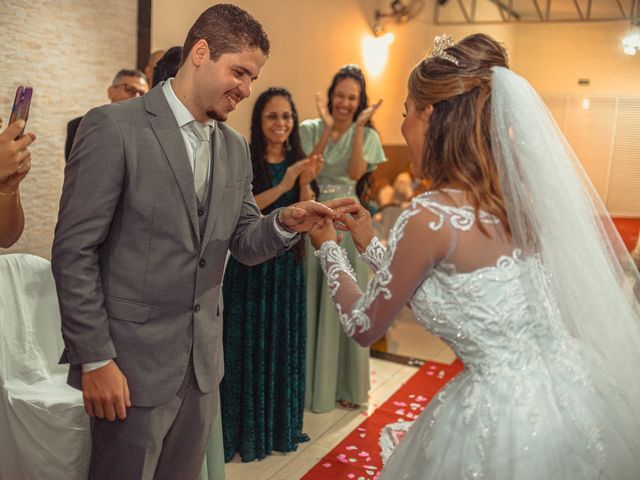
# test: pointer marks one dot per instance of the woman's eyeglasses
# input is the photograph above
(273, 116)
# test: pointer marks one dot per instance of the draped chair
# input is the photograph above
(44, 431)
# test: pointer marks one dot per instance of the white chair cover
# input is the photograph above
(44, 431)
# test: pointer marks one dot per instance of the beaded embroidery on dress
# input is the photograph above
(532, 402)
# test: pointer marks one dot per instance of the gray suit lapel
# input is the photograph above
(218, 181)
(168, 133)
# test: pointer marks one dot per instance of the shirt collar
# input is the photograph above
(182, 114)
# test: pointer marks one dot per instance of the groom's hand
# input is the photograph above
(301, 216)
(105, 392)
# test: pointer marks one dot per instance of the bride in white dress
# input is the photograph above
(512, 260)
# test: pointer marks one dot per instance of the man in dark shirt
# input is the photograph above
(125, 85)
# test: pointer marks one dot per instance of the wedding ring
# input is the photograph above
(19, 167)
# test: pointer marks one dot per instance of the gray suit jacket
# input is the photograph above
(135, 281)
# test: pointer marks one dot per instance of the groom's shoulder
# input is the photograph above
(232, 138)
(120, 111)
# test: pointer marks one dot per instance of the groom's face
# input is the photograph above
(222, 83)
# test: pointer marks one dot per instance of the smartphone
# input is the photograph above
(21, 104)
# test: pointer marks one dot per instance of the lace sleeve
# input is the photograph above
(374, 254)
(416, 244)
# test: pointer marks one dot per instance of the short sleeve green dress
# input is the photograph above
(337, 367)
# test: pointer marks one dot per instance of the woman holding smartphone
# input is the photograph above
(15, 163)
(337, 367)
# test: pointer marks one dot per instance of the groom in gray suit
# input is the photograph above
(156, 190)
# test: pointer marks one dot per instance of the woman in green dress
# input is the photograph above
(337, 367)
(262, 393)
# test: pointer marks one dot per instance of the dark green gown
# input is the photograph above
(262, 393)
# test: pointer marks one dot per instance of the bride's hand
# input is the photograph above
(359, 224)
(321, 232)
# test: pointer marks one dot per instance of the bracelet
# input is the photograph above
(10, 194)
(282, 225)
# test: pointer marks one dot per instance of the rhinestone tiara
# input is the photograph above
(440, 44)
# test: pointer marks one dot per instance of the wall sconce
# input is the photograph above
(376, 48)
(376, 51)
(400, 12)
(631, 43)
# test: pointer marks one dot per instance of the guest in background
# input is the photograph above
(149, 69)
(265, 305)
(15, 163)
(337, 367)
(365, 193)
(167, 66)
(396, 199)
(125, 85)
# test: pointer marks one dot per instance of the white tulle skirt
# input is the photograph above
(551, 424)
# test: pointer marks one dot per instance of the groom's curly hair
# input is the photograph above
(458, 139)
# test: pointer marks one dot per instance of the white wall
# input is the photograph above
(69, 51)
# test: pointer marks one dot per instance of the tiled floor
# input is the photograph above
(328, 429)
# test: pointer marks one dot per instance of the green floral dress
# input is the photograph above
(262, 393)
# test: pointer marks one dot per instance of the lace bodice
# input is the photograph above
(475, 291)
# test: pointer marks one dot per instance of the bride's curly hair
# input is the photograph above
(458, 138)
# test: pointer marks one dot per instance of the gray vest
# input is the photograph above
(203, 207)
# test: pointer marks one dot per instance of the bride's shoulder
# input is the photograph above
(438, 201)
(443, 206)
(429, 208)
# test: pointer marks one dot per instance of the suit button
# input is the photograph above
(200, 212)
(202, 262)
(196, 308)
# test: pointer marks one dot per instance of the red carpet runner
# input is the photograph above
(357, 457)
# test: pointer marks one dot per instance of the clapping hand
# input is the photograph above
(292, 174)
(324, 113)
(367, 113)
(316, 162)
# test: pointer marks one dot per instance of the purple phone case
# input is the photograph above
(21, 105)
(16, 104)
